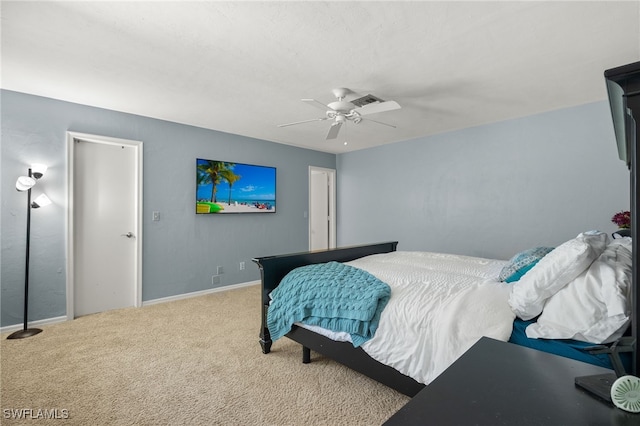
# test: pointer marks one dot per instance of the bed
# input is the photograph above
(516, 311)
(441, 305)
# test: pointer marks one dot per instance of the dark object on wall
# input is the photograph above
(223, 187)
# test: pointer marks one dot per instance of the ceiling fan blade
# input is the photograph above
(333, 130)
(316, 104)
(379, 122)
(376, 107)
(303, 121)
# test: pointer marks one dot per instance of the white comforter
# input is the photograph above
(440, 305)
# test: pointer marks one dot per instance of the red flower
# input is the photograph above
(622, 219)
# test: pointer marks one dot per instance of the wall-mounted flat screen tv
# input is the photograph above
(223, 187)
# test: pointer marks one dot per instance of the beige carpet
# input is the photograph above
(190, 362)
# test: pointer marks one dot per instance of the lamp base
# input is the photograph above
(21, 334)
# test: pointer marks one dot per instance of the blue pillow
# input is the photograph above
(521, 263)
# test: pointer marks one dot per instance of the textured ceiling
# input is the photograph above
(243, 67)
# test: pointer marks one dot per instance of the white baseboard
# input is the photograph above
(199, 293)
(55, 320)
(33, 324)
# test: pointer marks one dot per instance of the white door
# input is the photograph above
(106, 240)
(321, 208)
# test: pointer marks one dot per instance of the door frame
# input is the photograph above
(332, 203)
(137, 145)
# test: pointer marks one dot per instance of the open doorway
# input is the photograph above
(322, 208)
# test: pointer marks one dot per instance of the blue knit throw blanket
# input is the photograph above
(331, 295)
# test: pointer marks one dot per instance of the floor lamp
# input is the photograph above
(25, 183)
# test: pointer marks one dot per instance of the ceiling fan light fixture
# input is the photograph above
(341, 111)
(355, 117)
(341, 106)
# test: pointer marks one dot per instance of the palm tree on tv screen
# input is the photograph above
(211, 172)
(231, 178)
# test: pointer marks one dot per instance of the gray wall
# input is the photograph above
(487, 191)
(182, 250)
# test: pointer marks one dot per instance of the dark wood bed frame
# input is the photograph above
(274, 268)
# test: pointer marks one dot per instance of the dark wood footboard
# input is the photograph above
(274, 268)
(356, 359)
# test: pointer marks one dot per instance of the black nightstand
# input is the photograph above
(498, 383)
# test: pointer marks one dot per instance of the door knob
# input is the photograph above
(128, 235)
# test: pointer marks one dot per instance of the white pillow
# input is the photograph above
(554, 271)
(595, 307)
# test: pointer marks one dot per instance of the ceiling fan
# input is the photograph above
(341, 111)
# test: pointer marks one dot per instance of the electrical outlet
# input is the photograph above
(242, 266)
(220, 270)
(215, 279)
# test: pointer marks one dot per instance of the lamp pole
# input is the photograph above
(26, 332)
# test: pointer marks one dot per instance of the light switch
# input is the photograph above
(156, 216)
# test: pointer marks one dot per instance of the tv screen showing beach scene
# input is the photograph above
(223, 187)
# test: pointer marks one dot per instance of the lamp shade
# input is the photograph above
(41, 201)
(38, 170)
(24, 183)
